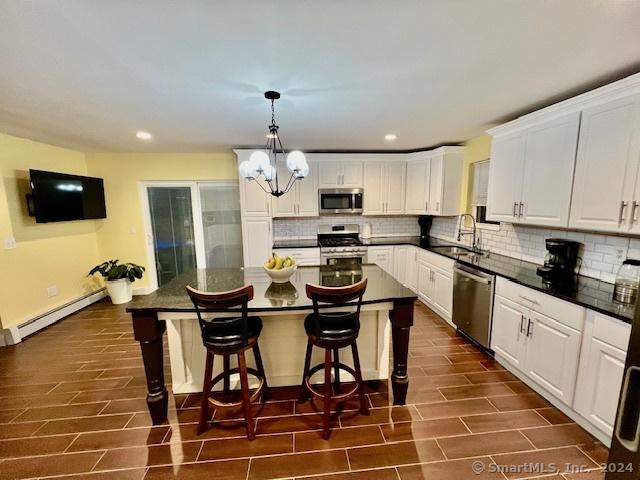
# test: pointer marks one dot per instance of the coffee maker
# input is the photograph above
(425, 222)
(560, 262)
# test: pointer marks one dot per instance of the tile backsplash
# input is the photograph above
(601, 254)
(380, 226)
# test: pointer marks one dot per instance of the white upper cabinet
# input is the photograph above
(531, 173)
(254, 202)
(606, 167)
(384, 184)
(434, 182)
(505, 177)
(302, 199)
(340, 174)
(549, 159)
(257, 250)
(417, 185)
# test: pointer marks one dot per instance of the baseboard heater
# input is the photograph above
(15, 334)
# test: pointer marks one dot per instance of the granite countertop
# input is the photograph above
(268, 296)
(585, 291)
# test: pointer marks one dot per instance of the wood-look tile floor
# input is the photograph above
(72, 405)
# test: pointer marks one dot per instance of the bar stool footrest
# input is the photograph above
(254, 395)
(338, 397)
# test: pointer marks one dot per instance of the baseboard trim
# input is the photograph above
(15, 334)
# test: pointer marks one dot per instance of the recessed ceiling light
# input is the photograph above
(142, 135)
(389, 137)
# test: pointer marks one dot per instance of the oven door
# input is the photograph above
(340, 200)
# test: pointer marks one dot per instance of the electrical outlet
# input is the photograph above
(10, 243)
(52, 291)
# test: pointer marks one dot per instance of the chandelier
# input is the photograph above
(263, 163)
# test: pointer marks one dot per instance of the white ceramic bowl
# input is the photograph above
(281, 276)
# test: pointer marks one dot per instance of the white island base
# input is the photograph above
(283, 343)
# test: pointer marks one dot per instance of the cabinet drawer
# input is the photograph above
(610, 330)
(302, 256)
(439, 261)
(564, 312)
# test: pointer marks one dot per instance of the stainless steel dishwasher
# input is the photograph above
(473, 302)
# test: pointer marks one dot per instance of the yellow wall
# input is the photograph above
(123, 172)
(58, 254)
(475, 150)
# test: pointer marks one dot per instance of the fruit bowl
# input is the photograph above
(282, 275)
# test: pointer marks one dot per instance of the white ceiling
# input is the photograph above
(89, 73)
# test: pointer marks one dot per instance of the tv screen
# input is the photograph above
(59, 197)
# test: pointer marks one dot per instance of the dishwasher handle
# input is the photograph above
(477, 278)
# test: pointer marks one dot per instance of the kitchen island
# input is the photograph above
(283, 340)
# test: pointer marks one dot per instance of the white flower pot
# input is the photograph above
(120, 291)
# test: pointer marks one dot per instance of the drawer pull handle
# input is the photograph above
(535, 302)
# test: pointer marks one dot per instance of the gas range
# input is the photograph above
(341, 242)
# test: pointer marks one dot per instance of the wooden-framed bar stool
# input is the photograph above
(332, 331)
(227, 336)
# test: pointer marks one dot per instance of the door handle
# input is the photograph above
(629, 412)
(521, 323)
(520, 209)
(426, 206)
(438, 207)
(530, 328)
(623, 207)
(515, 209)
(634, 208)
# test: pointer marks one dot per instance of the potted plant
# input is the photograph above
(118, 279)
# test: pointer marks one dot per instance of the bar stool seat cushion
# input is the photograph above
(334, 327)
(227, 332)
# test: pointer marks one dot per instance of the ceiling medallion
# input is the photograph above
(262, 163)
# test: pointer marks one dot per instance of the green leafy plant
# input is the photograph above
(112, 270)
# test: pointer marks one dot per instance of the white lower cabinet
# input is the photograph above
(604, 351)
(381, 256)
(435, 282)
(302, 256)
(507, 334)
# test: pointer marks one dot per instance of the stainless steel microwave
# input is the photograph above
(340, 200)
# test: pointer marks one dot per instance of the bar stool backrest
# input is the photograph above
(220, 302)
(336, 296)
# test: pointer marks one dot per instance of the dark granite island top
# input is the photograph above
(268, 296)
(150, 314)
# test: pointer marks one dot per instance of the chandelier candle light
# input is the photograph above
(262, 163)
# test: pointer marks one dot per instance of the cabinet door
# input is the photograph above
(329, 175)
(443, 292)
(507, 337)
(257, 240)
(285, 206)
(395, 188)
(374, 188)
(436, 180)
(412, 269)
(255, 202)
(402, 256)
(550, 154)
(307, 193)
(599, 382)
(417, 187)
(425, 283)
(553, 351)
(505, 177)
(606, 166)
(351, 175)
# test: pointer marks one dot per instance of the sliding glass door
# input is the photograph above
(193, 225)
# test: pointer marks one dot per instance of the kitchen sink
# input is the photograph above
(457, 251)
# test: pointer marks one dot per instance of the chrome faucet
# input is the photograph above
(475, 244)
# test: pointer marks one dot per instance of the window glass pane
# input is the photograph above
(480, 172)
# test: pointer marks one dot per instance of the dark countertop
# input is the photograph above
(586, 291)
(268, 296)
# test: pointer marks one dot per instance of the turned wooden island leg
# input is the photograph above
(148, 330)
(401, 321)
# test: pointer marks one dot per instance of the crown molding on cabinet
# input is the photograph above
(622, 88)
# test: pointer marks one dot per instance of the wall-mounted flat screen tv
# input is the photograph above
(58, 197)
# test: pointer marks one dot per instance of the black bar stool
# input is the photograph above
(333, 331)
(228, 336)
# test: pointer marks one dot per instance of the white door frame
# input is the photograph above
(196, 213)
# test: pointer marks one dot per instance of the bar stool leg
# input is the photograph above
(304, 395)
(227, 375)
(364, 408)
(336, 370)
(327, 394)
(260, 366)
(246, 397)
(206, 390)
